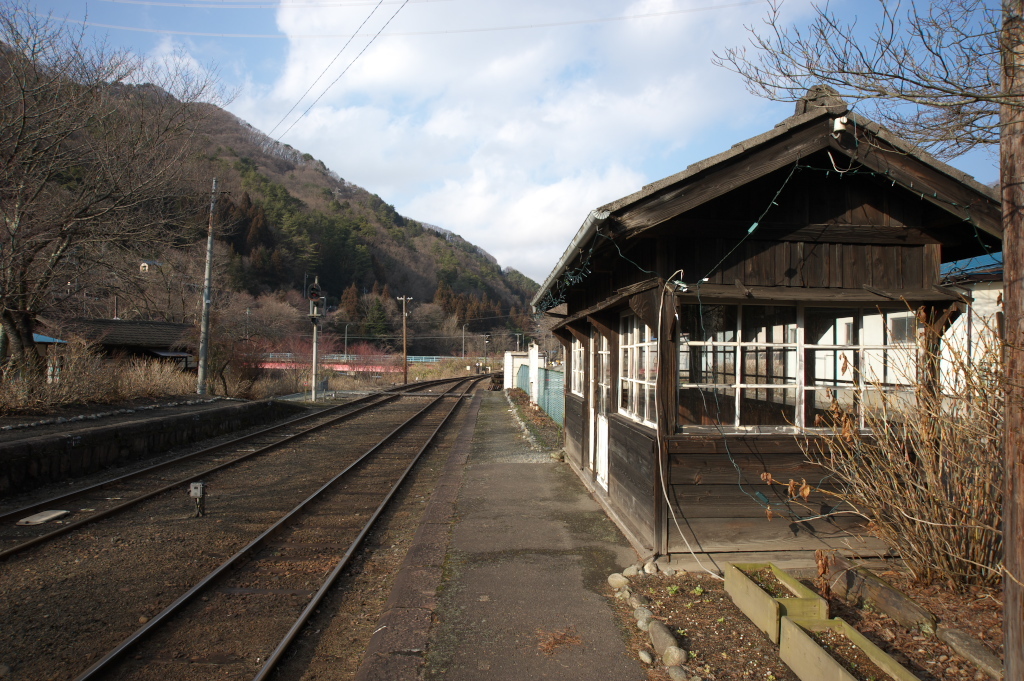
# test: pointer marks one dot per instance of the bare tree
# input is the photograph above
(95, 151)
(950, 78)
(932, 75)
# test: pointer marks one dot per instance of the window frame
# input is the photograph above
(636, 388)
(804, 383)
(576, 367)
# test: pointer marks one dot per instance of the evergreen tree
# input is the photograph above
(376, 323)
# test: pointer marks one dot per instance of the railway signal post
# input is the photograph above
(316, 307)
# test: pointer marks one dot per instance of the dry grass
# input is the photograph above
(87, 377)
(930, 477)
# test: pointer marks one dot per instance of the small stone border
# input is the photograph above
(522, 425)
(673, 656)
(118, 412)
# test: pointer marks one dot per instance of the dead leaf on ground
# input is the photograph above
(550, 641)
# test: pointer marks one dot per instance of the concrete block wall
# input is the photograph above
(35, 461)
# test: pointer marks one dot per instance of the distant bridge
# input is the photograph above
(378, 364)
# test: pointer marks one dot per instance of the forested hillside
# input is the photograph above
(287, 218)
(106, 166)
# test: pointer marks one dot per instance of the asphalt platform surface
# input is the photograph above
(506, 574)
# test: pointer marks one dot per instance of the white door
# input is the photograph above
(599, 411)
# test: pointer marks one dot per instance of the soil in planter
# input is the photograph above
(927, 657)
(766, 579)
(852, 658)
(724, 644)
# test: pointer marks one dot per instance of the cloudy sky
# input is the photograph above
(505, 122)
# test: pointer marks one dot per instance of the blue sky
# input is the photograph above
(505, 122)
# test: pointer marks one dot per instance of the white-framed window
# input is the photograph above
(576, 367)
(638, 369)
(761, 367)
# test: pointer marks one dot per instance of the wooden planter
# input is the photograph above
(763, 609)
(810, 662)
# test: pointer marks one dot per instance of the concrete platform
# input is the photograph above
(515, 548)
(524, 555)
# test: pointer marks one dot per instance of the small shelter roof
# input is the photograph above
(125, 333)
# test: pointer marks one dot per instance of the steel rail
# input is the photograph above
(113, 510)
(247, 550)
(270, 664)
(60, 499)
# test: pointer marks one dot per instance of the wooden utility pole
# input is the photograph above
(405, 347)
(1011, 172)
(204, 324)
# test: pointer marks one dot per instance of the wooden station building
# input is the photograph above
(711, 318)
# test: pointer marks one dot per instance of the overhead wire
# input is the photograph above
(354, 60)
(488, 29)
(270, 133)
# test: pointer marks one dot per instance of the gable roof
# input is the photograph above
(812, 128)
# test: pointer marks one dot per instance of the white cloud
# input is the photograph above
(510, 137)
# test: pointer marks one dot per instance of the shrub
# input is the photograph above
(929, 477)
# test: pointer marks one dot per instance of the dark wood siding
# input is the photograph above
(809, 264)
(631, 465)
(575, 429)
(720, 497)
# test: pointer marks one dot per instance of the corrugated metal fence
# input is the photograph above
(550, 391)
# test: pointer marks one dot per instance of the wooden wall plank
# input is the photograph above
(575, 429)
(631, 461)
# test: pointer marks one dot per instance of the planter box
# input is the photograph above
(765, 610)
(810, 662)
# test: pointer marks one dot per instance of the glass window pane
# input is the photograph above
(769, 365)
(888, 404)
(708, 322)
(768, 407)
(830, 367)
(873, 328)
(768, 324)
(822, 406)
(896, 365)
(707, 406)
(830, 326)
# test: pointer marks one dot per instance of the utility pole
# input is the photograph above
(1011, 171)
(315, 303)
(464, 340)
(204, 324)
(405, 347)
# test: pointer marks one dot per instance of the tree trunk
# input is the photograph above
(21, 346)
(1012, 175)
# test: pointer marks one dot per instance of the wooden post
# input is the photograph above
(1011, 170)
(665, 389)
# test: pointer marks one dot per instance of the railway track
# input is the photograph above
(259, 599)
(121, 492)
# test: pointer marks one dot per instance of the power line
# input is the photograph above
(279, 36)
(326, 68)
(327, 89)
